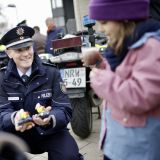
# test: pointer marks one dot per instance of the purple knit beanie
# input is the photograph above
(119, 9)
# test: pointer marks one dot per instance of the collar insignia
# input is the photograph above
(20, 31)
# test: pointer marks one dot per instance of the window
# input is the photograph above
(59, 21)
(53, 4)
(57, 4)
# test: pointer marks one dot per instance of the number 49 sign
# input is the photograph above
(74, 77)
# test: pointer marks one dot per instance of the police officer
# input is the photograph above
(42, 86)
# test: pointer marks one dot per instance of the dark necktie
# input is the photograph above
(25, 78)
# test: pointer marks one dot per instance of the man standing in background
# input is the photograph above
(39, 40)
(52, 34)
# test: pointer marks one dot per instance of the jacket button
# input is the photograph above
(37, 83)
(125, 120)
(41, 133)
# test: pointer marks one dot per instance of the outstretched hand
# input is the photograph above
(40, 121)
(22, 127)
(91, 56)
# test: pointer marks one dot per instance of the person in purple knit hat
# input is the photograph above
(127, 78)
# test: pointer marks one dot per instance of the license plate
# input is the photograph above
(74, 77)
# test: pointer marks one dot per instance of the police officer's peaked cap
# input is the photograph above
(22, 23)
(18, 37)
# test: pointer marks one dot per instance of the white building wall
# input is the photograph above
(80, 9)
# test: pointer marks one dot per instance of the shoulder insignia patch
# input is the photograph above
(63, 87)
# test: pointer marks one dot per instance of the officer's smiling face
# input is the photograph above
(23, 57)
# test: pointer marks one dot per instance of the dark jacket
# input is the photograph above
(52, 35)
(43, 87)
(39, 42)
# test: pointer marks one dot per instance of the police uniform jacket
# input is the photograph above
(44, 87)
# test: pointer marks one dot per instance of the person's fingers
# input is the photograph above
(30, 126)
(85, 58)
(27, 126)
(18, 128)
(37, 120)
(46, 120)
(16, 120)
(40, 121)
(90, 56)
(23, 128)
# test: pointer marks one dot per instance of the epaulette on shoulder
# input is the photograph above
(48, 64)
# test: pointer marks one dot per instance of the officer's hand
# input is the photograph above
(42, 122)
(22, 127)
(91, 56)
